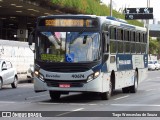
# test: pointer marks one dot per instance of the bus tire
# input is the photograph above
(107, 95)
(126, 90)
(1, 83)
(134, 88)
(55, 95)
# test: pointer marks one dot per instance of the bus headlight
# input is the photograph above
(93, 76)
(36, 73)
(96, 74)
(90, 78)
(41, 77)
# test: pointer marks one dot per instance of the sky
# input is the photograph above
(117, 4)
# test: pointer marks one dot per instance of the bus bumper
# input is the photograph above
(96, 85)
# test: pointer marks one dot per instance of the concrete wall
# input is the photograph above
(18, 53)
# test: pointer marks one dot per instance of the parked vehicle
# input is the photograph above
(157, 64)
(8, 74)
(151, 65)
(30, 72)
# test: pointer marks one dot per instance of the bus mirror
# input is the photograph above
(85, 39)
(31, 37)
(30, 40)
(105, 37)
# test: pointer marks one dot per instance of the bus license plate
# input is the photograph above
(64, 85)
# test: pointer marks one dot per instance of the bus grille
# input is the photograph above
(66, 69)
(56, 83)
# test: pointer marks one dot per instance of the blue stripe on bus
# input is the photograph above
(124, 62)
(101, 67)
(127, 26)
(145, 58)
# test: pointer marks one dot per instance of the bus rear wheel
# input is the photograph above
(134, 88)
(55, 95)
(126, 90)
(107, 95)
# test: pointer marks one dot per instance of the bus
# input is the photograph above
(88, 53)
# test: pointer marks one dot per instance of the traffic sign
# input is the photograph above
(138, 16)
(138, 13)
(138, 10)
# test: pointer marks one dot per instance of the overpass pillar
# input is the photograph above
(22, 31)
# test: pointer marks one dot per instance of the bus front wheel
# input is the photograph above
(107, 95)
(55, 95)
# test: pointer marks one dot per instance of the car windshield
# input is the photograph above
(68, 46)
(150, 62)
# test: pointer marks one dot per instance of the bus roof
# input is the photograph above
(108, 19)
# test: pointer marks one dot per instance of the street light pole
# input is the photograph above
(147, 22)
(110, 7)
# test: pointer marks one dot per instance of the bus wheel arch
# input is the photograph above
(112, 78)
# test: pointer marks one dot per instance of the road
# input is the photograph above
(146, 99)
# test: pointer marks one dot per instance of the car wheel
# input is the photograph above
(14, 84)
(1, 83)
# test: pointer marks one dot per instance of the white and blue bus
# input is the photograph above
(88, 53)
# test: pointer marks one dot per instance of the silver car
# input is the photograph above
(151, 65)
(8, 74)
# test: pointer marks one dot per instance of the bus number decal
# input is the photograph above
(77, 76)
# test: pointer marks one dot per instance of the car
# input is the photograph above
(151, 65)
(8, 74)
(157, 64)
(30, 71)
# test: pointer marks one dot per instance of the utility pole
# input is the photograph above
(110, 7)
(147, 25)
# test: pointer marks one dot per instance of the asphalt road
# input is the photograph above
(146, 102)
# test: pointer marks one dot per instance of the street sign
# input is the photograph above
(138, 13)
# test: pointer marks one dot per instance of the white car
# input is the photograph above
(30, 71)
(156, 64)
(8, 74)
(151, 65)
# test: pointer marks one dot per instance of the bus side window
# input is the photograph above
(105, 37)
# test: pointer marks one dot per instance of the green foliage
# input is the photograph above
(91, 7)
(154, 46)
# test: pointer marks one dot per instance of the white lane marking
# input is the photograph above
(121, 97)
(43, 103)
(4, 102)
(35, 97)
(76, 104)
(152, 78)
(78, 109)
(70, 112)
(92, 104)
(135, 105)
(150, 90)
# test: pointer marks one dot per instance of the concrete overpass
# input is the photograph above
(20, 15)
(154, 30)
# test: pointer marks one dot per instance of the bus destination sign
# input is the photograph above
(64, 22)
(69, 23)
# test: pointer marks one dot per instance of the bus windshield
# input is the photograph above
(68, 46)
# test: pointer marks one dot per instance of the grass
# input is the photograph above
(92, 7)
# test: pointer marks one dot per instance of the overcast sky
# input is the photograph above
(117, 4)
